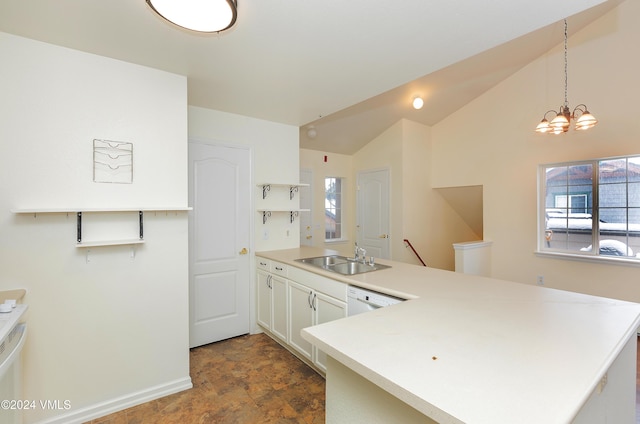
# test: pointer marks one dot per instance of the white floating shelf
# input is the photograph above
(266, 213)
(293, 187)
(283, 185)
(109, 243)
(82, 209)
(284, 210)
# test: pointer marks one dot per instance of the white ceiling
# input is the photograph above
(348, 67)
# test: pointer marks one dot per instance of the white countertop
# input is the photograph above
(474, 349)
(8, 320)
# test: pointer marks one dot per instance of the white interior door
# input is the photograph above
(219, 237)
(306, 202)
(373, 213)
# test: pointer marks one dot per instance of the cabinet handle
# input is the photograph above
(269, 278)
(309, 299)
(279, 268)
(313, 302)
(263, 263)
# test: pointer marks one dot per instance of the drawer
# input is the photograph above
(279, 269)
(319, 283)
(263, 264)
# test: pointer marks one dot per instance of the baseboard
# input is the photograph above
(118, 404)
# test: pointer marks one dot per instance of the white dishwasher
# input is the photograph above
(362, 300)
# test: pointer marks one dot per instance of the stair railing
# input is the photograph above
(408, 243)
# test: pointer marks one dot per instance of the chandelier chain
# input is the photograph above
(566, 72)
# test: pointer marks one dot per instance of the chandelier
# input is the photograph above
(560, 123)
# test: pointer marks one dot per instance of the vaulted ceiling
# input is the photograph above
(350, 68)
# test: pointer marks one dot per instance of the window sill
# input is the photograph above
(336, 241)
(609, 260)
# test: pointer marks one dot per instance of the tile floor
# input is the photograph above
(247, 379)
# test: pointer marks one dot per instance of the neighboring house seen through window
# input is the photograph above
(333, 208)
(591, 203)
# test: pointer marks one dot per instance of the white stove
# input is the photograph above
(13, 333)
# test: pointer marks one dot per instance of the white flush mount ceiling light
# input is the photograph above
(560, 123)
(312, 132)
(418, 102)
(197, 15)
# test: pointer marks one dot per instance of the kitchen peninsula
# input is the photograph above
(468, 349)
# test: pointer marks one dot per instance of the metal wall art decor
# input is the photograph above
(112, 162)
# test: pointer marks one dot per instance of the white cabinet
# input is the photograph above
(327, 309)
(263, 279)
(272, 297)
(290, 299)
(308, 307)
(279, 322)
(300, 316)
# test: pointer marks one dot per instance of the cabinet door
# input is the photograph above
(264, 299)
(326, 309)
(300, 316)
(279, 322)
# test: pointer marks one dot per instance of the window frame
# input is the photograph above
(595, 209)
(339, 209)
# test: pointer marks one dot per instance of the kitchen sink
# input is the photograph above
(323, 261)
(341, 264)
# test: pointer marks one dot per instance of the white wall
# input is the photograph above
(105, 328)
(336, 165)
(428, 221)
(418, 213)
(491, 142)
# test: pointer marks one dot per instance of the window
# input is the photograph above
(333, 208)
(591, 203)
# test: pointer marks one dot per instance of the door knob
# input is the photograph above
(384, 236)
(309, 237)
(244, 251)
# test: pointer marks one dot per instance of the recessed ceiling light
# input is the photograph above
(418, 102)
(197, 15)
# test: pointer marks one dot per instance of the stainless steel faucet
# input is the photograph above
(359, 254)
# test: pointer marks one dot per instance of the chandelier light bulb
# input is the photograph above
(543, 126)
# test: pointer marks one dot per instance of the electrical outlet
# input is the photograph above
(265, 234)
(540, 280)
